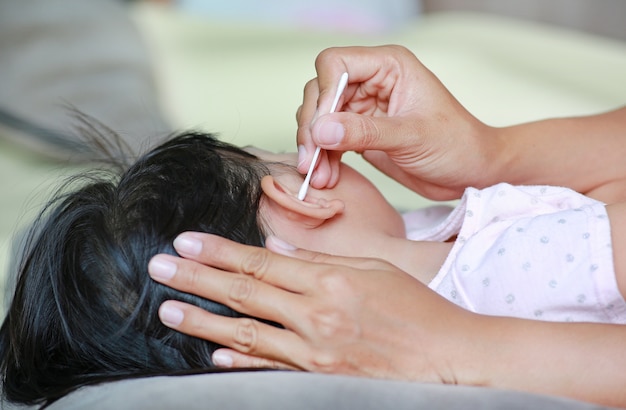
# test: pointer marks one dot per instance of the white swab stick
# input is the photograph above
(343, 81)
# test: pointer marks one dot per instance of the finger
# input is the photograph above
(241, 293)
(381, 161)
(306, 112)
(437, 192)
(305, 117)
(327, 173)
(223, 254)
(270, 265)
(362, 63)
(334, 161)
(345, 131)
(376, 67)
(322, 172)
(329, 70)
(228, 358)
(329, 262)
(245, 335)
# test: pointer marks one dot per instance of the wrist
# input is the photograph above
(488, 353)
(583, 361)
(460, 348)
(492, 157)
(473, 358)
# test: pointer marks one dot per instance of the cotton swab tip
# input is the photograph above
(303, 190)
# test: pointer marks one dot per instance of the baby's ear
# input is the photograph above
(311, 212)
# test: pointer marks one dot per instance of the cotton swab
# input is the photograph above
(343, 81)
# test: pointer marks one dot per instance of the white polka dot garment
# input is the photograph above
(536, 252)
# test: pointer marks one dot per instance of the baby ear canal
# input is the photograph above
(312, 212)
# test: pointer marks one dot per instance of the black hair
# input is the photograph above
(84, 308)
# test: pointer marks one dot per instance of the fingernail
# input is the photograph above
(160, 268)
(301, 154)
(330, 133)
(170, 315)
(279, 243)
(222, 359)
(186, 244)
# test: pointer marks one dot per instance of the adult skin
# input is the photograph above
(407, 124)
(366, 317)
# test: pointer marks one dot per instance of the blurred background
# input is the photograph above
(238, 67)
(604, 17)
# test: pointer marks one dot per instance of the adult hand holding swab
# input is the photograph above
(343, 81)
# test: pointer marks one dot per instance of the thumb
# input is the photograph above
(281, 247)
(345, 131)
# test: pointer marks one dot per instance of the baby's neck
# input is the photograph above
(420, 259)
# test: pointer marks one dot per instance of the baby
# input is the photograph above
(85, 310)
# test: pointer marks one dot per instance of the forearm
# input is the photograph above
(577, 360)
(583, 153)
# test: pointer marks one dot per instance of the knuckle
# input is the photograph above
(256, 263)
(269, 364)
(398, 49)
(334, 283)
(241, 289)
(298, 114)
(326, 322)
(332, 324)
(260, 362)
(324, 361)
(191, 280)
(246, 335)
(303, 131)
(399, 54)
(367, 131)
(325, 56)
(310, 85)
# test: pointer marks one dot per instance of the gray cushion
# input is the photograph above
(294, 390)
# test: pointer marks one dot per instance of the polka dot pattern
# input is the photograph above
(536, 252)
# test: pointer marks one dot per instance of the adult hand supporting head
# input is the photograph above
(365, 317)
(340, 315)
(399, 116)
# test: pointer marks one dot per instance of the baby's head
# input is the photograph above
(85, 308)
